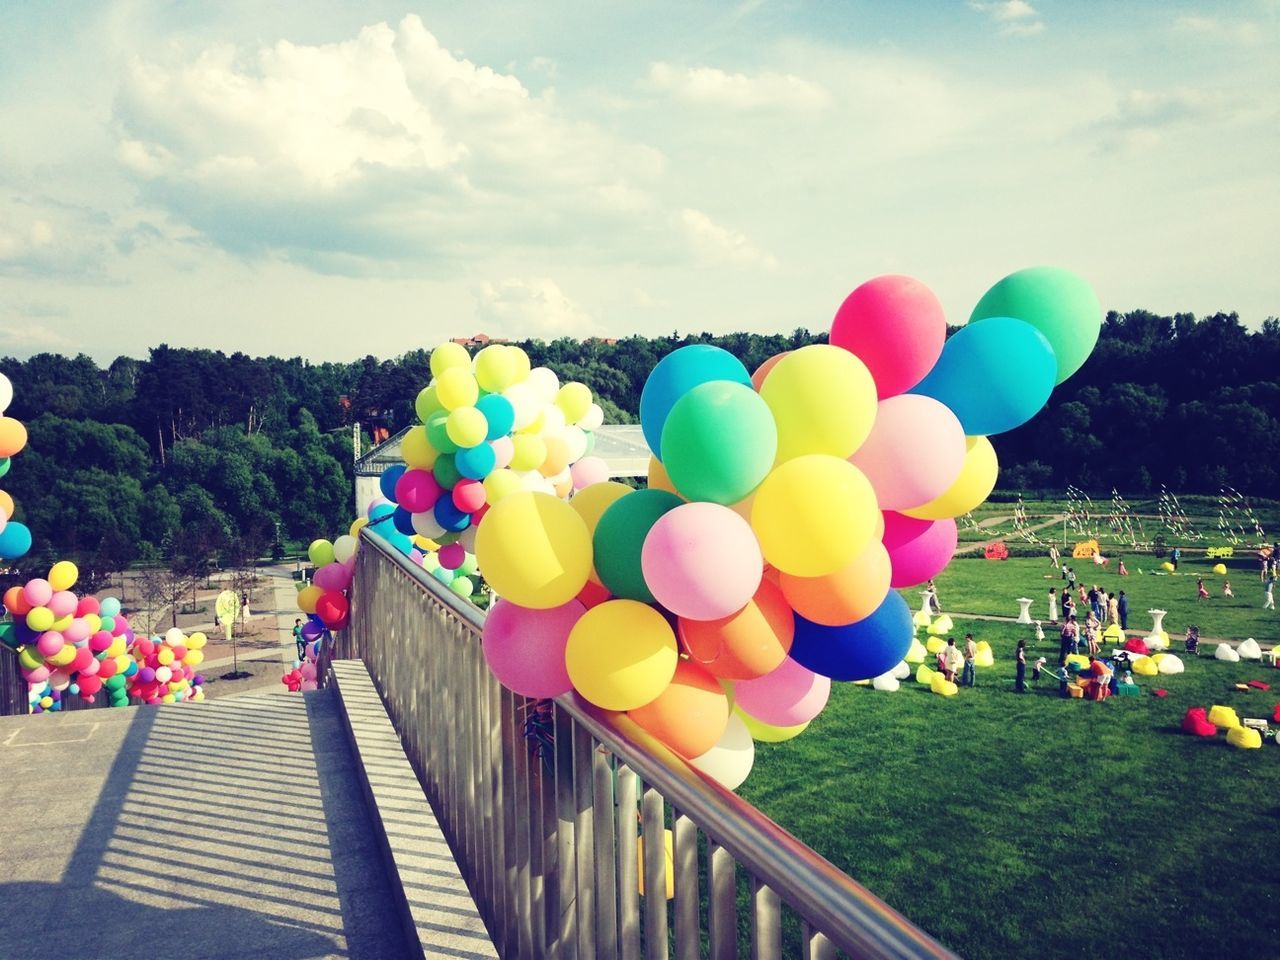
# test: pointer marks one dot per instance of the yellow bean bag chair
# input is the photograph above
(1167, 567)
(1076, 691)
(1220, 569)
(1244, 738)
(1079, 659)
(1113, 633)
(942, 686)
(925, 675)
(934, 644)
(985, 657)
(942, 625)
(862, 683)
(916, 652)
(1224, 718)
(1146, 667)
(921, 619)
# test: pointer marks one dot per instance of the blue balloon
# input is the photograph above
(402, 520)
(856, 651)
(675, 375)
(400, 542)
(500, 414)
(449, 516)
(387, 482)
(475, 463)
(994, 374)
(15, 540)
(380, 518)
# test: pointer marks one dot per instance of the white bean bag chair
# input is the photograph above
(886, 682)
(1158, 641)
(1249, 650)
(1170, 664)
(1227, 653)
(901, 672)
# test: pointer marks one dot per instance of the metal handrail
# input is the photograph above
(837, 912)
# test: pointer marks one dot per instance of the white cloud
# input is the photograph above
(362, 154)
(712, 87)
(533, 307)
(716, 244)
(1241, 32)
(1017, 18)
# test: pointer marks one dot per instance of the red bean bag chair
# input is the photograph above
(1196, 723)
(1275, 717)
(1137, 645)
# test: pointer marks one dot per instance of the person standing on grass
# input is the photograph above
(1020, 679)
(954, 659)
(1201, 592)
(1175, 557)
(1122, 608)
(1053, 605)
(1054, 556)
(1091, 625)
(969, 677)
(297, 639)
(1068, 607)
(1113, 609)
(1226, 589)
(1063, 679)
(933, 597)
(1269, 601)
(1120, 570)
(1071, 579)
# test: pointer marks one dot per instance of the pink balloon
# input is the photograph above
(786, 697)
(121, 625)
(308, 685)
(50, 642)
(525, 648)
(90, 667)
(701, 561)
(469, 495)
(99, 641)
(84, 657)
(36, 677)
(37, 592)
(417, 490)
(452, 556)
(896, 326)
(918, 549)
(63, 603)
(77, 631)
(308, 671)
(914, 453)
(587, 471)
(416, 556)
(504, 449)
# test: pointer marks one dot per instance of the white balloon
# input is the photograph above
(552, 420)
(576, 440)
(593, 418)
(731, 759)
(544, 383)
(6, 393)
(174, 637)
(345, 547)
(524, 402)
(425, 524)
(468, 539)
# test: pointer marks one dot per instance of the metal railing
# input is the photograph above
(549, 838)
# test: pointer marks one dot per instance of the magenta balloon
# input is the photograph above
(788, 696)
(452, 556)
(915, 451)
(701, 561)
(918, 549)
(896, 326)
(37, 592)
(417, 490)
(330, 576)
(587, 471)
(50, 642)
(525, 648)
(121, 625)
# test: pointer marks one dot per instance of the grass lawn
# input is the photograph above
(1011, 825)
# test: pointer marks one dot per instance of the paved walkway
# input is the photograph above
(233, 829)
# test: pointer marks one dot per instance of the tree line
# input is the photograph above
(192, 454)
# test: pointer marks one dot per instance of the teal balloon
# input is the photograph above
(994, 374)
(619, 540)
(1058, 303)
(675, 375)
(719, 442)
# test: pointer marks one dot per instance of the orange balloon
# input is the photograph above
(557, 456)
(846, 596)
(15, 601)
(6, 504)
(13, 436)
(690, 715)
(750, 643)
(658, 479)
(591, 503)
(308, 597)
(762, 371)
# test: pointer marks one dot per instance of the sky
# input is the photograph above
(331, 180)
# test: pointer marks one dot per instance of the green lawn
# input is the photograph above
(1012, 826)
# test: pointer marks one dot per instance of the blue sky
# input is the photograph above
(335, 179)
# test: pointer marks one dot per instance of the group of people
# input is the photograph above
(952, 661)
(1101, 605)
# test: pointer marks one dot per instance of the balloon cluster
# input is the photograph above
(15, 537)
(165, 667)
(324, 600)
(491, 426)
(68, 645)
(453, 566)
(784, 508)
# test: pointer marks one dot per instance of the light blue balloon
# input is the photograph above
(15, 540)
(675, 375)
(994, 374)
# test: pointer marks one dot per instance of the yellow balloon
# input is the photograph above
(94, 621)
(976, 481)
(621, 654)
(449, 356)
(591, 503)
(767, 733)
(63, 622)
(308, 597)
(574, 399)
(658, 478)
(64, 656)
(194, 658)
(197, 641)
(496, 367)
(40, 619)
(814, 514)
(528, 452)
(63, 575)
(823, 400)
(425, 544)
(523, 366)
(427, 403)
(534, 550)
(117, 647)
(501, 483)
(466, 426)
(457, 388)
(356, 526)
(416, 449)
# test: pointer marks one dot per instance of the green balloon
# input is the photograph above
(446, 472)
(619, 538)
(469, 566)
(719, 441)
(9, 636)
(463, 587)
(114, 682)
(426, 403)
(4, 466)
(1058, 303)
(437, 433)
